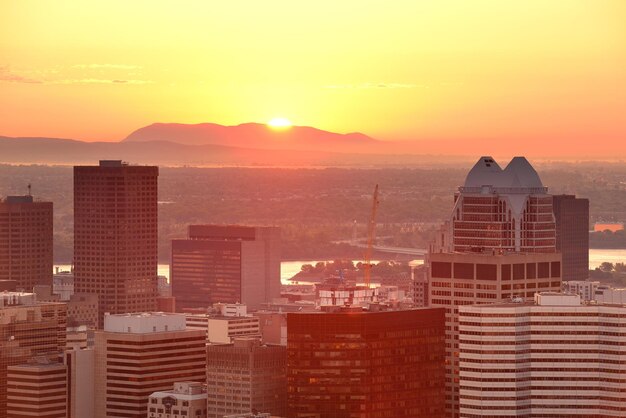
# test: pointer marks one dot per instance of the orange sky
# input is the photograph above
(552, 70)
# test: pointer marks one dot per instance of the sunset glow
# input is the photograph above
(549, 71)
(279, 123)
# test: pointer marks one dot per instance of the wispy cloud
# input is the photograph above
(10, 76)
(51, 76)
(100, 81)
(107, 66)
(372, 86)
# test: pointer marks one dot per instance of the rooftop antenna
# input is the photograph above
(29, 190)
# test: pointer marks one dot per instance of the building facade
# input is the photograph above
(37, 389)
(229, 264)
(138, 354)
(572, 235)
(28, 329)
(245, 376)
(80, 365)
(554, 357)
(26, 242)
(585, 288)
(186, 399)
(366, 364)
(115, 236)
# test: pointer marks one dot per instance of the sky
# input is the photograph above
(553, 71)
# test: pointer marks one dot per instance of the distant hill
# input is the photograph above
(258, 136)
(68, 151)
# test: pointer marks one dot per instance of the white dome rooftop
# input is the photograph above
(517, 174)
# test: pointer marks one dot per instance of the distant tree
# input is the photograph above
(607, 267)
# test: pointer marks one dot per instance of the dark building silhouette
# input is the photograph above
(228, 264)
(25, 242)
(572, 235)
(115, 236)
(366, 364)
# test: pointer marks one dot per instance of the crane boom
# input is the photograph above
(371, 236)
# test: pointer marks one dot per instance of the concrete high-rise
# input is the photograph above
(115, 236)
(138, 354)
(230, 264)
(363, 364)
(499, 243)
(551, 357)
(26, 242)
(28, 329)
(245, 376)
(572, 235)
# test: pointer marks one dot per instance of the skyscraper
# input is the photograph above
(502, 210)
(226, 263)
(37, 389)
(26, 242)
(499, 243)
(115, 236)
(572, 235)
(366, 364)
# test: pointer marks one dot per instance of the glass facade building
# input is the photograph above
(360, 364)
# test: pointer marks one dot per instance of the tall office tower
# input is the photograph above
(37, 389)
(28, 329)
(553, 357)
(572, 235)
(115, 236)
(26, 242)
(245, 376)
(499, 243)
(138, 354)
(363, 364)
(501, 210)
(226, 264)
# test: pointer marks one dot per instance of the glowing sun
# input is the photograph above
(279, 123)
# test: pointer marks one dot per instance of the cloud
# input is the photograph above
(9, 76)
(372, 86)
(107, 66)
(100, 81)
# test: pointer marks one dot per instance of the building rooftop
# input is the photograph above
(146, 322)
(518, 175)
(19, 199)
(187, 391)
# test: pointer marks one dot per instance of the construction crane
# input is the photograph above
(371, 236)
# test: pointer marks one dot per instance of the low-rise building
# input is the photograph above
(186, 399)
(585, 288)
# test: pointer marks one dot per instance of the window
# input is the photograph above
(464, 271)
(505, 271)
(440, 269)
(486, 272)
(518, 271)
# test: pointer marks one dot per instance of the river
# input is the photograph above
(290, 268)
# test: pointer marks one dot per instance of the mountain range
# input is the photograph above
(252, 144)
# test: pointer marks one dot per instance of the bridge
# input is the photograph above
(414, 252)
